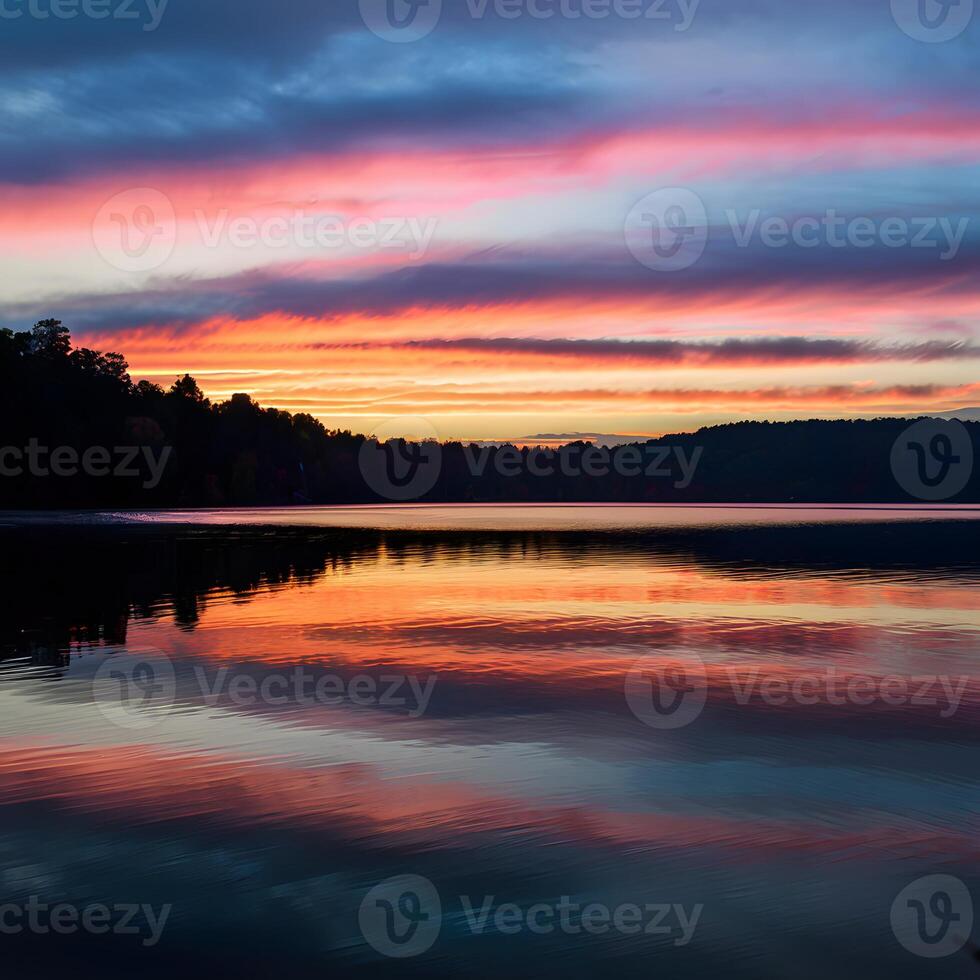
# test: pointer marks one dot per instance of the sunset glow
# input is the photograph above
(364, 230)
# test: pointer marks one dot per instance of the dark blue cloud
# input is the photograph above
(103, 124)
(502, 277)
(256, 29)
(228, 80)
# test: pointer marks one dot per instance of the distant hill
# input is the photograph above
(75, 431)
(963, 414)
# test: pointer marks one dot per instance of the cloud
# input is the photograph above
(255, 29)
(732, 352)
(528, 140)
(599, 277)
(563, 438)
(168, 114)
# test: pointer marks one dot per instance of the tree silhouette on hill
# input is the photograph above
(236, 453)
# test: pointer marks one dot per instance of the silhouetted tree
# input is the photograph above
(187, 387)
(50, 338)
(236, 452)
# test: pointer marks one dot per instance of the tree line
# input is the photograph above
(237, 453)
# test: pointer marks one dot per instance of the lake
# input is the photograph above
(485, 741)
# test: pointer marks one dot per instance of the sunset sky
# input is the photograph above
(364, 225)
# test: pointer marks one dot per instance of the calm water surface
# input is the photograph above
(512, 517)
(256, 725)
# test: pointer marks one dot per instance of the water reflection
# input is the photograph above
(515, 766)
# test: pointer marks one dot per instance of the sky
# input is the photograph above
(502, 219)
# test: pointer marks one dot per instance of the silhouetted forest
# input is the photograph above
(236, 453)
